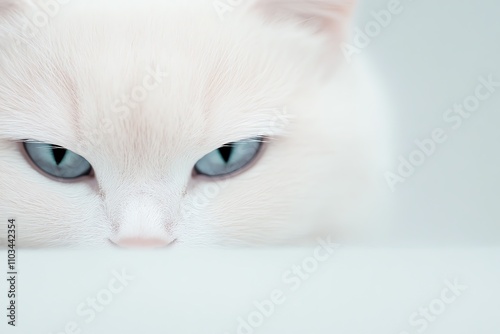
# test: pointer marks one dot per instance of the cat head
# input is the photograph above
(145, 122)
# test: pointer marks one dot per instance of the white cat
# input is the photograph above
(144, 123)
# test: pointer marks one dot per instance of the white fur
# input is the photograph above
(230, 79)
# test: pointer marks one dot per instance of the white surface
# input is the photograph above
(354, 291)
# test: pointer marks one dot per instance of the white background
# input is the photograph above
(431, 56)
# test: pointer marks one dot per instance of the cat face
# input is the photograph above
(144, 123)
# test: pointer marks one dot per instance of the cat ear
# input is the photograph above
(328, 17)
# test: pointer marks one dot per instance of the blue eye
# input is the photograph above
(57, 161)
(229, 158)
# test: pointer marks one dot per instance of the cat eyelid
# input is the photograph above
(261, 138)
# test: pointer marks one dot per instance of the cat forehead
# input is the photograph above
(160, 72)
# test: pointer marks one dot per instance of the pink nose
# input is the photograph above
(142, 242)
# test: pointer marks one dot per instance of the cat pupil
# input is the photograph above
(59, 154)
(226, 151)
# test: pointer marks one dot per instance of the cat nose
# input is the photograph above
(142, 242)
(142, 222)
